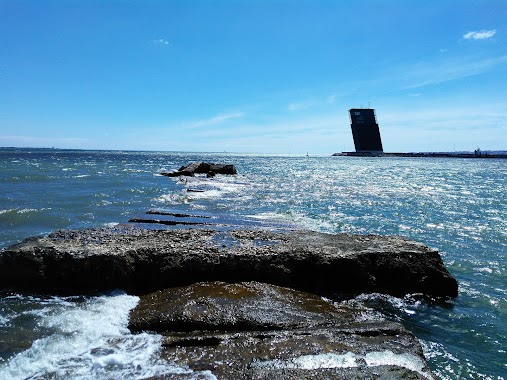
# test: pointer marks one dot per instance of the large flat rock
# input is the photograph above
(139, 261)
(259, 331)
(244, 306)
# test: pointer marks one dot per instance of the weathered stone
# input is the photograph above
(222, 169)
(142, 260)
(325, 353)
(231, 307)
(259, 331)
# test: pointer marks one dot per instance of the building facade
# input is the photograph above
(365, 130)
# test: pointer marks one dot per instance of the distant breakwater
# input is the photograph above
(424, 154)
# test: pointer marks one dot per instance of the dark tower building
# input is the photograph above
(365, 130)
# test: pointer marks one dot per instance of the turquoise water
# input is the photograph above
(458, 206)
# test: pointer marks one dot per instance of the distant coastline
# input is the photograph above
(482, 154)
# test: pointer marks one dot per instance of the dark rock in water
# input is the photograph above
(205, 167)
(220, 306)
(139, 260)
(202, 168)
(173, 218)
(259, 331)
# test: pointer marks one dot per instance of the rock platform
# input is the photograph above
(140, 261)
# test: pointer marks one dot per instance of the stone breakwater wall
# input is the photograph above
(140, 261)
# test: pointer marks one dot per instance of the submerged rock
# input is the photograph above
(139, 260)
(259, 331)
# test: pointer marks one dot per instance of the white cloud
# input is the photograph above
(479, 35)
(161, 41)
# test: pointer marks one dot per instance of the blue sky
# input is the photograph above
(252, 76)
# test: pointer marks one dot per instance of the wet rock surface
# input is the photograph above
(228, 307)
(141, 261)
(259, 331)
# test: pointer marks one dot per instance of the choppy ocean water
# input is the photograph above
(458, 206)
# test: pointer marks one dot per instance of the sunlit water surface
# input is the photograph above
(458, 206)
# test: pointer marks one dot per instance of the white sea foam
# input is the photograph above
(172, 199)
(207, 194)
(110, 224)
(351, 360)
(4, 321)
(25, 210)
(90, 340)
(450, 366)
(404, 360)
(484, 270)
(313, 224)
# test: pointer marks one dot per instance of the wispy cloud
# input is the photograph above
(37, 141)
(297, 106)
(311, 103)
(313, 133)
(445, 127)
(161, 41)
(215, 120)
(429, 73)
(331, 99)
(479, 35)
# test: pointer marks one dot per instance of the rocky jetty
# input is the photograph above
(210, 169)
(246, 303)
(252, 330)
(238, 298)
(140, 260)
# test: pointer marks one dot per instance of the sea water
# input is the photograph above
(458, 206)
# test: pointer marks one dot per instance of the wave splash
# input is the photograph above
(89, 339)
